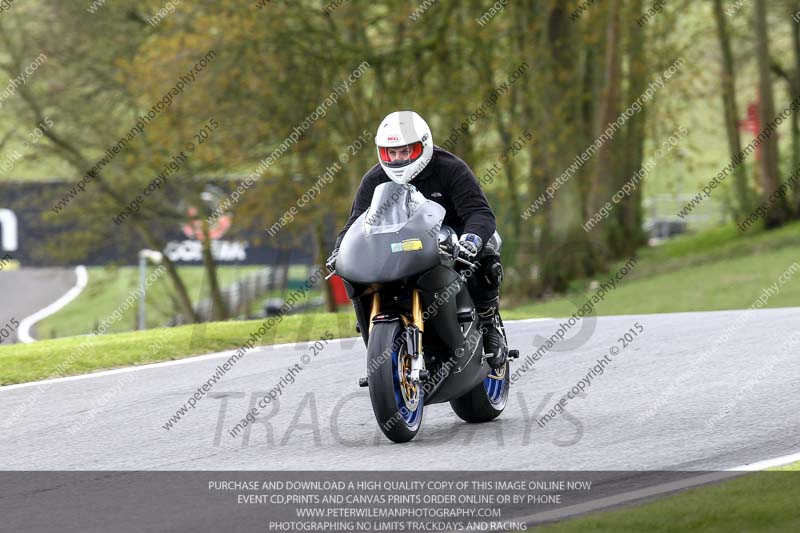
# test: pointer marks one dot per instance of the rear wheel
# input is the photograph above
(486, 400)
(396, 401)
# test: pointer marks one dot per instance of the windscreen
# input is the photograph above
(393, 205)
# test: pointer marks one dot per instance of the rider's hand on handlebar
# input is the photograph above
(468, 245)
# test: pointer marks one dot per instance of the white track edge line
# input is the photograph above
(768, 463)
(25, 325)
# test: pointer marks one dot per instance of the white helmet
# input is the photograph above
(405, 145)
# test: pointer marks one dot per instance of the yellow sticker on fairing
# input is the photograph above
(408, 245)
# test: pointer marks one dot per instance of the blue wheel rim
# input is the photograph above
(496, 388)
(411, 418)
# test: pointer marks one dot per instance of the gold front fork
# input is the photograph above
(416, 316)
(416, 309)
(376, 307)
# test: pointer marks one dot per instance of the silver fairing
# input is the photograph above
(373, 250)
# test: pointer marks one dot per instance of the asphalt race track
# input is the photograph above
(693, 391)
(28, 290)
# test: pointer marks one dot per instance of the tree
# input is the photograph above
(730, 111)
(629, 212)
(792, 78)
(565, 252)
(80, 92)
(778, 211)
(606, 167)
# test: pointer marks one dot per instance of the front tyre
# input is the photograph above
(486, 400)
(396, 402)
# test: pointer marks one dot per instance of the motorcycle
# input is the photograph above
(403, 271)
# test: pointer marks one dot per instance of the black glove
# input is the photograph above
(330, 263)
(469, 244)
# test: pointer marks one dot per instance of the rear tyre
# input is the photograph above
(486, 400)
(396, 402)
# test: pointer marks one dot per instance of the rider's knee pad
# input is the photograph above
(491, 273)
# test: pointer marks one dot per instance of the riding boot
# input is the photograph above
(494, 340)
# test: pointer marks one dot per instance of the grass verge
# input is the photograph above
(109, 286)
(710, 271)
(761, 501)
(21, 363)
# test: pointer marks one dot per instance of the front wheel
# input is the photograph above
(396, 401)
(486, 400)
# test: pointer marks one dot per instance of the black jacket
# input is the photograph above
(448, 181)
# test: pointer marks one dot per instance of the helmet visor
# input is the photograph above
(400, 156)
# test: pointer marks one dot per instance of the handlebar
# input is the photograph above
(466, 262)
(444, 250)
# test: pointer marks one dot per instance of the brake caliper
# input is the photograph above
(413, 343)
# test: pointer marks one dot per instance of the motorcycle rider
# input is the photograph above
(406, 154)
